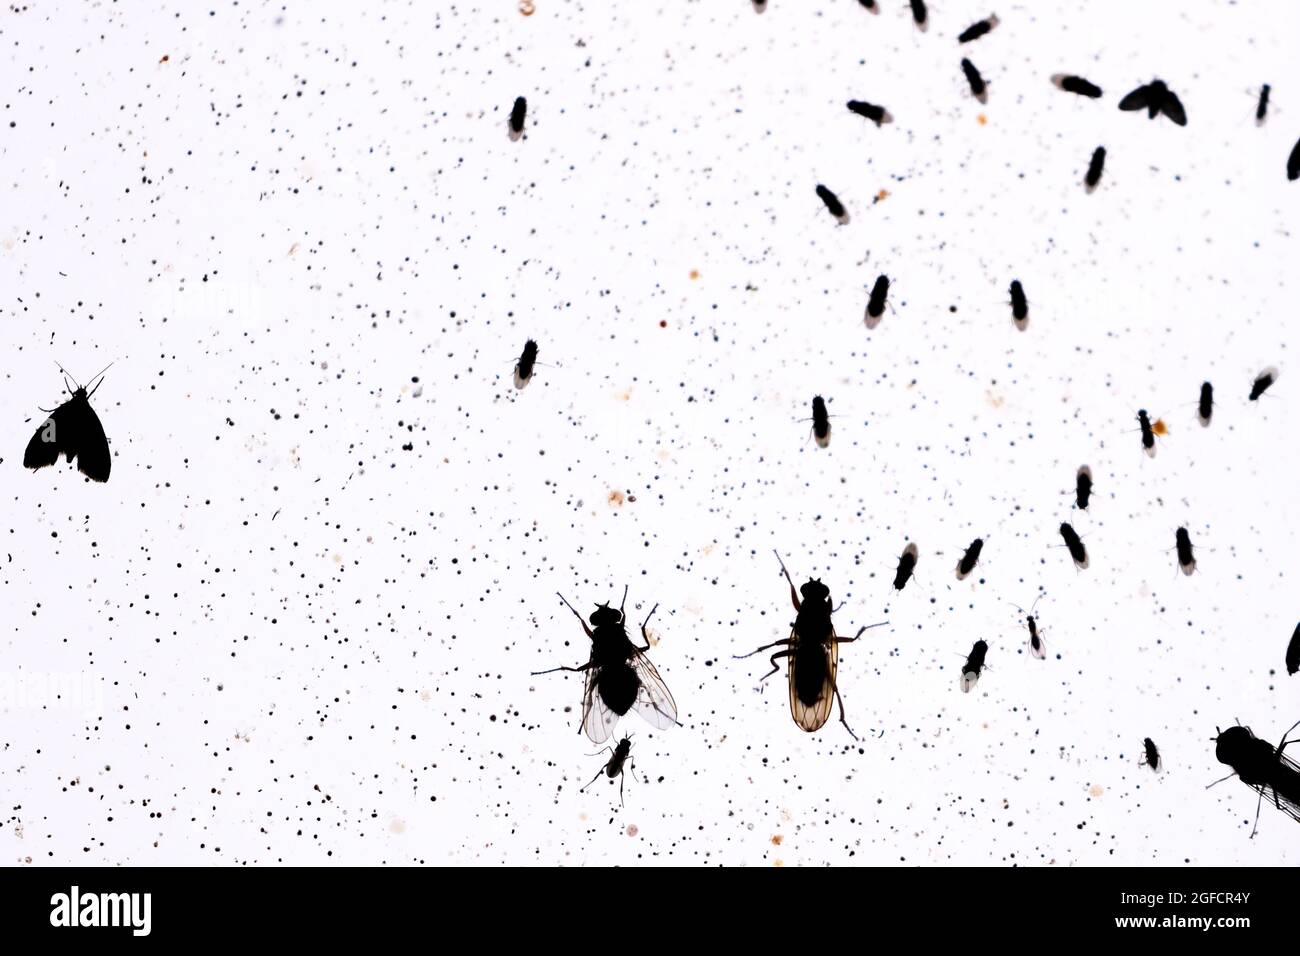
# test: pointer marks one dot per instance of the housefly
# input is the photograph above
(977, 29)
(517, 114)
(971, 558)
(978, 88)
(524, 367)
(970, 671)
(1183, 545)
(1262, 768)
(619, 677)
(876, 301)
(906, 566)
(833, 204)
(1078, 553)
(812, 652)
(877, 114)
(1205, 405)
(1263, 381)
(821, 426)
(1019, 305)
(1151, 756)
(618, 756)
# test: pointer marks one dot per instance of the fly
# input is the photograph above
(877, 114)
(1261, 109)
(517, 113)
(1078, 552)
(1183, 545)
(1205, 406)
(1083, 487)
(1095, 166)
(614, 766)
(1262, 383)
(978, 88)
(1151, 757)
(1076, 85)
(833, 204)
(1019, 305)
(971, 558)
(906, 566)
(1148, 433)
(876, 302)
(970, 671)
(1261, 768)
(978, 29)
(524, 367)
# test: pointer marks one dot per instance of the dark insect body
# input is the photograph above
(619, 677)
(1095, 166)
(876, 301)
(812, 654)
(919, 14)
(970, 671)
(833, 204)
(1262, 768)
(1151, 757)
(1083, 487)
(517, 113)
(72, 430)
(1019, 305)
(877, 114)
(1077, 85)
(977, 30)
(1262, 383)
(1205, 406)
(524, 367)
(870, 5)
(821, 422)
(1261, 109)
(1148, 435)
(614, 766)
(1078, 553)
(1293, 163)
(971, 558)
(1183, 545)
(906, 565)
(1036, 646)
(978, 88)
(1155, 97)
(1293, 652)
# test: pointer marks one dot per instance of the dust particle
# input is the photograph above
(776, 840)
(1096, 790)
(695, 273)
(616, 498)
(632, 830)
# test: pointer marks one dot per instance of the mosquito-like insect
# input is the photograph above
(619, 675)
(1036, 645)
(970, 671)
(1095, 166)
(877, 114)
(1151, 756)
(1076, 85)
(977, 29)
(614, 766)
(1205, 406)
(1155, 97)
(1019, 305)
(812, 652)
(833, 204)
(971, 558)
(1261, 767)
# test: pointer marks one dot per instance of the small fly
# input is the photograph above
(833, 204)
(1205, 406)
(906, 566)
(1183, 545)
(877, 114)
(524, 367)
(1151, 757)
(1037, 647)
(1263, 381)
(978, 29)
(1155, 97)
(614, 766)
(1293, 163)
(1259, 766)
(1076, 85)
(1083, 487)
(968, 560)
(821, 426)
(812, 652)
(517, 113)
(919, 14)
(1261, 109)
(619, 677)
(978, 88)
(1095, 166)
(1148, 433)
(1293, 652)
(870, 5)
(1078, 553)
(1019, 305)
(970, 671)
(876, 302)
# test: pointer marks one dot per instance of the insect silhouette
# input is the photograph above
(1155, 97)
(877, 114)
(1078, 553)
(977, 30)
(821, 422)
(72, 430)
(1293, 163)
(614, 766)
(833, 204)
(760, 6)
(876, 302)
(919, 14)
(1262, 383)
(1148, 433)
(906, 565)
(1036, 645)
(524, 367)
(1183, 545)
(1261, 767)
(1205, 406)
(978, 88)
(1076, 85)
(970, 671)
(1095, 166)
(1261, 108)
(1293, 652)
(812, 652)
(1151, 756)
(517, 113)
(870, 5)
(1083, 487)
(1019, 305)
(619, 677)
(968, 560)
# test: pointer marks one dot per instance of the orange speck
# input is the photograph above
(776, 840)
(695, 273)
(883, 194)
(778, 862)
(982, 119)
(632, 830)
(526, 7)
(616, 498)
(1160, 428)
(663, 323)
(165, 58)
(1095, 791)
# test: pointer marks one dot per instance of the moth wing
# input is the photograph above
(1173, 108)
(653, 701)
(91, 445)
(597, 719)
(1293, 162)
(1139, 99)
(49, 441)
(812, 718)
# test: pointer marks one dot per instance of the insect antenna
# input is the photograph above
(100, 377)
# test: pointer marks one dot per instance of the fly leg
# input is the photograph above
(593, 779)
(850, 640)
(575, 614)
(840, 701)
(623, 603)
(1258, 804)
(585, 667)
(1282, 745)
(794, 595)
(738, 657)
(643, 626)
(620, 788)
(775, 666)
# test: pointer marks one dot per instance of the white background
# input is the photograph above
(294, 641)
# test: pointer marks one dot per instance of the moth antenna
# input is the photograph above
(99, 376)
(67, 375)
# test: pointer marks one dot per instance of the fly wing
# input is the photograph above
(1139, 99)
(91, 444)
(1173, 108)
(812, 718)
(653, 700)
(597, 719)
(50, 440)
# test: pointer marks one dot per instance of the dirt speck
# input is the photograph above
(778, 862)
(616, 498)
(996, 401)
(527, 7)
(1096, 790)
(398, 826)
(632, 830)
(777, 840)
(695, 273)
(982, 120)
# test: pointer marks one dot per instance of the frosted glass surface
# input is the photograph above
(298, 623)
